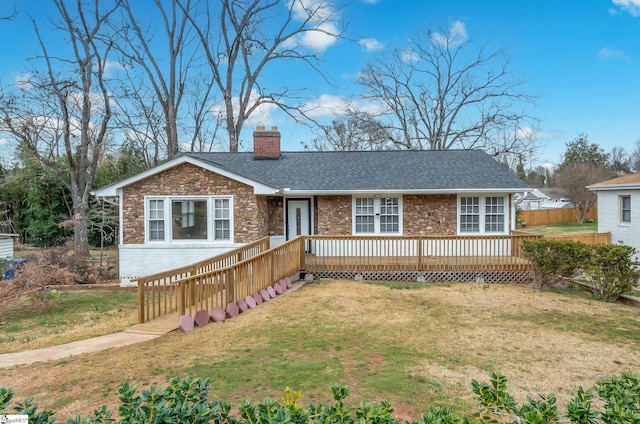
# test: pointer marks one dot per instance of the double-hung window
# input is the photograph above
(221, 219)
(481, 215)
(377, 215)
(625, 208)
(156, 219)
(189, 219)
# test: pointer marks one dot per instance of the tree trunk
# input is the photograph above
(80, 231)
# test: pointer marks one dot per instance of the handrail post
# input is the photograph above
(181, 298)
(141, 302)
(230, 287)
(419, 252)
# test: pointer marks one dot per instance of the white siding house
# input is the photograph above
(619, 209)
(6, 245)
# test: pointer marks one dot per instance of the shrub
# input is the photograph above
(554, 260)
(186, 401)
(610, 270)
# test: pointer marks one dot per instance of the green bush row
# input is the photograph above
(607, 268)
(612, 400)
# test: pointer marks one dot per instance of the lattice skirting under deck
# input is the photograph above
(431, 277)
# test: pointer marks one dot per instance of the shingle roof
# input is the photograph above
(631, 179)
(371, 170)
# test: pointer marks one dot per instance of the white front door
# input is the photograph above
(298, 217)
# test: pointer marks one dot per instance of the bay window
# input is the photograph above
(188, 218)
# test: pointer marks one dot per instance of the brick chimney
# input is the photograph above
(266, 144)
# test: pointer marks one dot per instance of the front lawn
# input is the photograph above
(564, 228)
(52, 317)
(415, 345)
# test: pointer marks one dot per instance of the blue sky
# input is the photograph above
(580, 58)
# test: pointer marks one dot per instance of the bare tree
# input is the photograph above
(61, 114)
(619, 161)
(160, 89)
(635, 158)
(574, 177)
(352, 133)
(440, 93)
(242, 39)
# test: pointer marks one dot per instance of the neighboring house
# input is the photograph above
(554, 197)
(198, 205)
(533, 200)
(619, 209)
(6, 245)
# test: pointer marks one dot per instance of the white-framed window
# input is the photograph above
(377, 215)
(625, 208)
(189, 218)
(156, 219)
(482, 214)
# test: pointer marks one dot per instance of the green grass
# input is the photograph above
(564, 228)
(416, 345)
(54, 317)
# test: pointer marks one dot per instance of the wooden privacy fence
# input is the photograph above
(588, 238)
(554, 216)
(158, 294)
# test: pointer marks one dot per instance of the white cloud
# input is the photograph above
(321, 16)
(113, 67)
(262, 115)
(608, 52)
(457, 34)
(631, 6)
(407, 55)
(371, 44)
(23, 81)
(4, 141)
(328, 106)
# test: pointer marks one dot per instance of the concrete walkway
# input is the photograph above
(68, 350)
(135, 334)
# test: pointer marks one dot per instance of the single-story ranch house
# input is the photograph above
(198, 205)
(618, 207)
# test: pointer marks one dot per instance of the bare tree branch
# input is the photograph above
(438, 94)
(250, 37)
(64, 112)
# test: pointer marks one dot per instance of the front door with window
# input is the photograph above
(298, 217)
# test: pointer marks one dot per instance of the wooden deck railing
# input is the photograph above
(424, 253)
(218, 288)
(228, 278)
(158, 294)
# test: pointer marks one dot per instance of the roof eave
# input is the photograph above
(634, 186)
(290, 192)
(114, 189)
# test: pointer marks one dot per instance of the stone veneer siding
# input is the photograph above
(333, 215)
(422, 215)
(249, 214)
(430, 214)
(275, 218)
